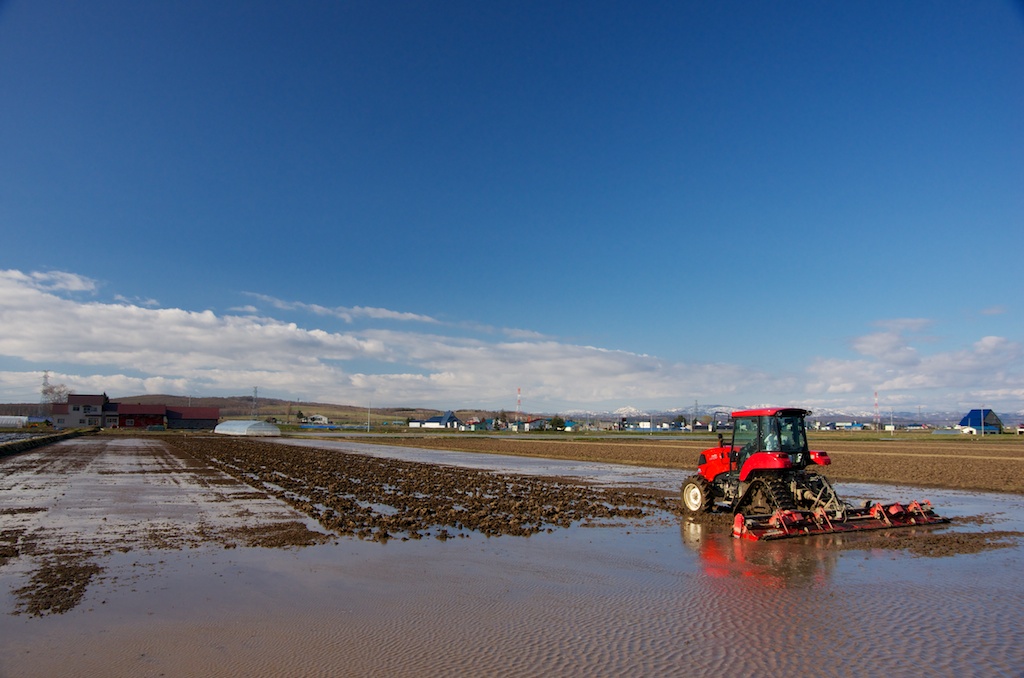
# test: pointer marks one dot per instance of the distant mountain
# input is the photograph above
(242, 406)
(283, 410)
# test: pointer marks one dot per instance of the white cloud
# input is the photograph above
(149, 303)
(888, 347)
(346, 313)
(894, 366)
(892, 346)
(52, 281)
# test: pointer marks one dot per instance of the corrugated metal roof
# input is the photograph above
(242, 427)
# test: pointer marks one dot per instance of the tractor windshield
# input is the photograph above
(793, 437)
(746, 438)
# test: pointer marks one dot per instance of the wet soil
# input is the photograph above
(244, 483)
(382, 499)
(340, 489)
(186, 492)
(64, 508)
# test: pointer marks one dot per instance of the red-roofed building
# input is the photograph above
(141, 416)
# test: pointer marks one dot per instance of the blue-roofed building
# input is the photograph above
(446, 420)
(984, 421)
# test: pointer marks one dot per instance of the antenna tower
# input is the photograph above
(519, 403)
(255, 408)
(878, 417)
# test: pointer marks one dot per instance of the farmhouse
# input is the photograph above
(85, 410)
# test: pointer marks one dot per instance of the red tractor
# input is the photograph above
(766, 477)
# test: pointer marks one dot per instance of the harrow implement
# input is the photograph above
(785, 523)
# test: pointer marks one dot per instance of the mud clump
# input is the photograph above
(937, 544)
(56, 586)
(9, 548)
(277, 535)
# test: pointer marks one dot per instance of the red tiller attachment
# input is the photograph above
(783, 524)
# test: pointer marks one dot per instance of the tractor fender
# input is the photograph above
(764, 461)
(820, 458)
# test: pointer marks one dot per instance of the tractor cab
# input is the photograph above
(769, 439)
(772, 430)
(773, 438)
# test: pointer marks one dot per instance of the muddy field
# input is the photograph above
(169, 555)
(244, 486)
(351, 495)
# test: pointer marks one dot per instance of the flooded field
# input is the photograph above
(167, 563)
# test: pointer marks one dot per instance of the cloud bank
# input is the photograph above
(55, 321)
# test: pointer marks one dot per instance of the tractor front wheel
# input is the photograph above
(696, 495)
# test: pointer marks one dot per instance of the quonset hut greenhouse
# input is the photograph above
(243, 427)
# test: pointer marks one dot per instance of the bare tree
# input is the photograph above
(55, 393)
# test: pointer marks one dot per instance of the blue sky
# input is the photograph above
(436, 204)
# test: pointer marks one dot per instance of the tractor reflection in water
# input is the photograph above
(768, 564)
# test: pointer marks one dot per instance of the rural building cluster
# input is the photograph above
(99, 410)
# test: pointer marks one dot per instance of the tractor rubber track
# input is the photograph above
(773, 495)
